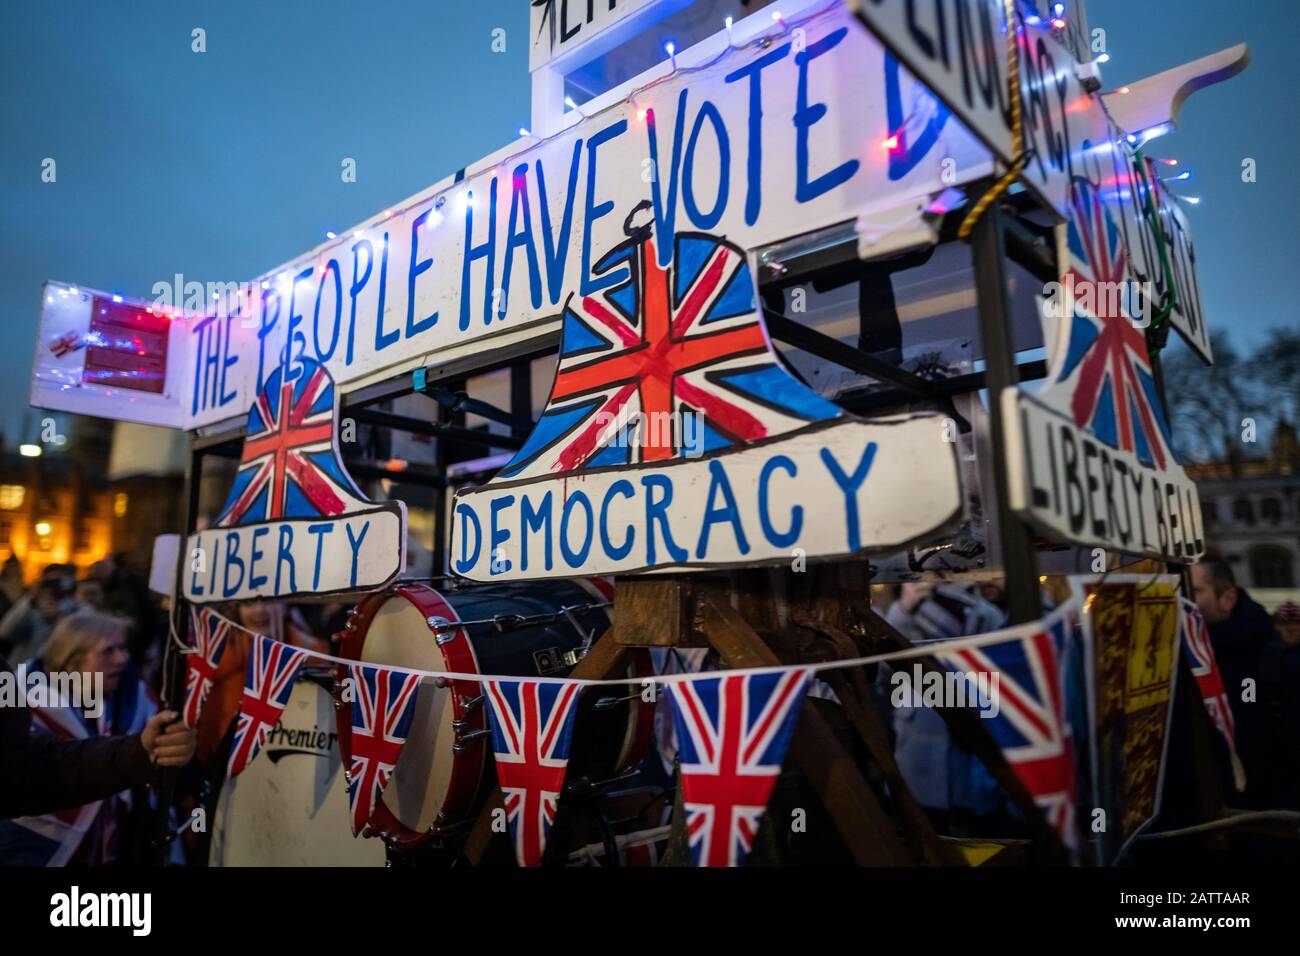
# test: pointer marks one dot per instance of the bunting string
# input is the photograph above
(1069, 608)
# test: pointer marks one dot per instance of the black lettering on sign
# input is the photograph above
(982, 84)
(1138, 480)
(1162, 527)
(1121, 468)
(1090, 453)
(1073, 484)
(1039, 495)
(1108, 488)
(1174, 507)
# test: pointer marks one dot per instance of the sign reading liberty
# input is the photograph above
(295, 522)
(674, 438)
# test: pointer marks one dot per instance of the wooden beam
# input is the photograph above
(866, 829)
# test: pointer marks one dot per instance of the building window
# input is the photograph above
(1270, 511)
(120, 502)
(11, 496)
(6, 528)
(1209, 513)
(81, 537)
(1270, 567)
(1243, 511)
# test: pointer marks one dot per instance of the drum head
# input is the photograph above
(290, 805)
(399, 635)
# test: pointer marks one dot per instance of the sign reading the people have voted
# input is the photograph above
(673, 438)
(295, 523)
(1088, 454)
(769, 132)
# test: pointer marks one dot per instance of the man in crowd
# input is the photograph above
(1261, 675)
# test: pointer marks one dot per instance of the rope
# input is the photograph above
(1166, 270)
(1017, 131)
(1223, 823)
(1069, 608)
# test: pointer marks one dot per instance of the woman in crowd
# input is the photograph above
(105, 697)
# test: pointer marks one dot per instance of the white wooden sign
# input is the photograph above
(294, 523)
(1088, 455)
(102, 354)
(763, 143)
(557, 27)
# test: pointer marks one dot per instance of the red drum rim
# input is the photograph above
(467, 768)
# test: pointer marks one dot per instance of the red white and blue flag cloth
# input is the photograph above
(532, 727)
(663, 343)
(1113, 392)
(78, 836)
(1032, 725)
(383, 704)
(211, 635)
(290, 466)
(273, 666)
(732, 734)
(1205, 668)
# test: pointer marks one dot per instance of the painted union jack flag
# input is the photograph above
(381, 718)
(661, 345)
(1114, 395)
(210, 636)
(290, 468)
(272, 668)
(1205, 668)
(732, 734)
(532, 725)
(1032, 725)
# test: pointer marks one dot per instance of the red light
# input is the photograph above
(891, 143)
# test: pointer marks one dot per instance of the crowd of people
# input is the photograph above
(81, 778)
(80, 761)
(1258, 655)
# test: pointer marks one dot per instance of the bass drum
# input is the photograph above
(290, 805)
(518, 630)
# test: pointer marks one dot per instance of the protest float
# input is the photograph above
(679, 378)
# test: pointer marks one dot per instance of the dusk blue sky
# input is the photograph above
(222, 165)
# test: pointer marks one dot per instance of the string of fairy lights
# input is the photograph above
(760, 35)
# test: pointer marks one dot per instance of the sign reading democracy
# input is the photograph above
(294, 522)
(674, 439)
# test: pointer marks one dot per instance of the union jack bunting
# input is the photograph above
(272, 668)
(1113, 396)
(1031, 724)
(210, 636)
(289, 467)
(382, 708)
(1205, 668)
(532, 725)
(732, 734)
(661, 344)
